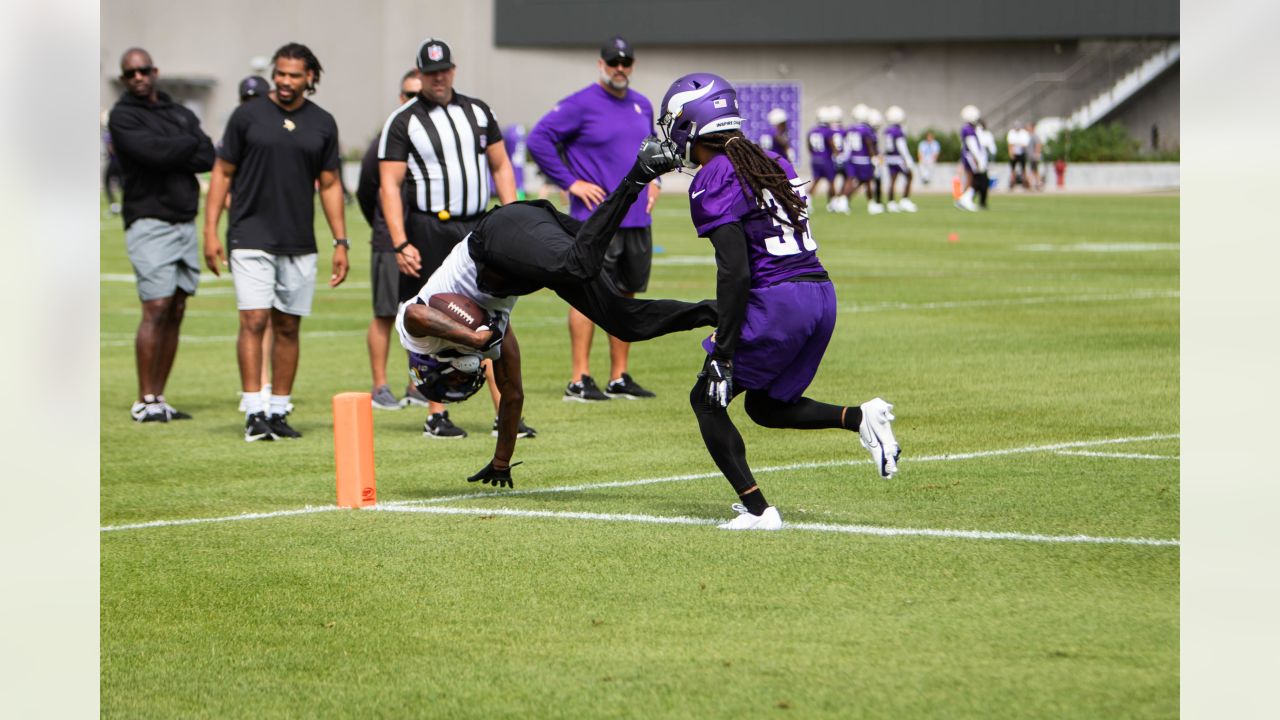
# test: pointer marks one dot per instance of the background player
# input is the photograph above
(777, 307)
(897, 158)
(973, 158)
(822, 156)
(860, 143)
(778, 137)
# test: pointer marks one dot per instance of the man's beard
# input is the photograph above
(615, 83)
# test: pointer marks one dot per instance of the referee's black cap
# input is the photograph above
(253, 86)
(617, 48)
(434, 56)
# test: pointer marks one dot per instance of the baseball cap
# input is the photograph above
(434, 56)
(253, 86)
(616, 47)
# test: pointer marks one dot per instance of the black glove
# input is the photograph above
(493, 323)
(491, 475)
(719, 375)
(655, 158)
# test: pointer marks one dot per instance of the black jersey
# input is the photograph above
(278, 156)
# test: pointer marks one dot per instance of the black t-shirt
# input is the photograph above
(278, 157)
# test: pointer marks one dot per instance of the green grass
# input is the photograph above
(993, 342)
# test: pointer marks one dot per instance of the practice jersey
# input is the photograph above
(972, 152)
(861, 143)
(457, 274)
(773, 140)
(896, 151)
(776, 251)
(820, 143)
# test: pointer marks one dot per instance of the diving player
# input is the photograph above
(777, 307)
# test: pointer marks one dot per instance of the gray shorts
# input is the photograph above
(164, 256)
(385, 277)
(264, 280)
(629, 258)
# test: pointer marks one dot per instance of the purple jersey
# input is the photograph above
(971, 152)
(514, 139)
(775, 250)
(820, 143)
(598, 135)
(774, 139)
(860, 141)
(892, 135)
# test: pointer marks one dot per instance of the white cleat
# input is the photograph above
(907, 206)
(892, 206)
(877, 436)
(768, 520)
(874, 208)
(966, 204)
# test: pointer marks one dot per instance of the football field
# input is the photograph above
(1023, 563)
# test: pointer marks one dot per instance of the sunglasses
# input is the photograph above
(129, 74)
(619, 62)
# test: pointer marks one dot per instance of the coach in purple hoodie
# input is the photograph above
(586, 144)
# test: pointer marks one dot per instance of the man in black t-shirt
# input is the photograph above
(271, 158)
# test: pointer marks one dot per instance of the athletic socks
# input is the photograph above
(252, 402)
(851, 418)
(279, 405)
(754, 501)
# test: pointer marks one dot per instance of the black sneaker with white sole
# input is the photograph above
(523, 431)
(584, 390)
(172, 412)
(625, 387)
(256, 428)
(440, 427)
(280, 427)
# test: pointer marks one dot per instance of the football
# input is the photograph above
(461, 308)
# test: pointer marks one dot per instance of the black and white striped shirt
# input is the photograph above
(444, 147)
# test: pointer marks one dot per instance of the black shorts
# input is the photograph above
(384, 277)
(434, 238)
(629, 259)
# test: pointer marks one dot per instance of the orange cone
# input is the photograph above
(957, 187)
(353, 449)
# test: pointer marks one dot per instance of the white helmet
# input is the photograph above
(970, 114)
(777, 116)
(837, 114)
(822, 114)
(874, 118)
(894, 115)
(860, 113)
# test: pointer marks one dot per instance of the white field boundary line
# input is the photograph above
(410, 505)
(906, 459)
(1125, 456)
(810, 527)
(232, 338)
(1044, 300)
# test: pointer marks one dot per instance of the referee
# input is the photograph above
(444, 145)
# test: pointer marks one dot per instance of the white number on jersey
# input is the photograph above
(817, 143)
(786, 242)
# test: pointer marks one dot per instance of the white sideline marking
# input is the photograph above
(1127, 456)
(228, 518)
(812, 527)
(1108, 297)
(1101, 247)
(232, 338)
(413, 505)
(780, 468)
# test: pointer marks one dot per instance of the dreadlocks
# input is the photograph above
(757, 172)
(298, 51)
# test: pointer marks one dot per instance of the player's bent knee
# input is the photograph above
(762, 409)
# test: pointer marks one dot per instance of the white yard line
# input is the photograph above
(1125, 456)
(232, 338)
(419, 505)
(1043, 300)
(810, 527)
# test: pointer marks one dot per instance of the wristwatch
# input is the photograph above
(343, 242)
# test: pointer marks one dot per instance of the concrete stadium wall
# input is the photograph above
(365, 48)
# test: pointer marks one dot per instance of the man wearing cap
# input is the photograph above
(444, 144)
(585, 144)
(161, 148)
(252, 87)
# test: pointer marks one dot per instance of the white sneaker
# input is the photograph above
(966, 204)
(877, 436)
(892, 206)
(768, 520)
(843, 207)
(874, 208)
(906, 205)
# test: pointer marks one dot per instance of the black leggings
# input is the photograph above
(724, 442)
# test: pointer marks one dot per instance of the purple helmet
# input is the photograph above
(695, 105)
(447, 376)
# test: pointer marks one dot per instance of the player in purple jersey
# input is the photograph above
(822, 155)
(860, 143)
(973, 157)
(776, 305)
(778, 137)
(897, 158)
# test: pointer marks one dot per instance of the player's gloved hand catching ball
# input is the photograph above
(655, 158)
(719, 375)
(490, 475)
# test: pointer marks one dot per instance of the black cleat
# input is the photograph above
(280, 427)
(256, 428)
(440, 427)
(625, 387)
(585, 390)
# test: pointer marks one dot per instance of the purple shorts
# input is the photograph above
(784, 336)
(897, 168)
(824, 170)
(861, 173)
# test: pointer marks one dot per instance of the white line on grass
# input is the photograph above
(1126, 456)
(232, 338)
(1109, 297)
(812, 527)
(416, 505)
(907, 460)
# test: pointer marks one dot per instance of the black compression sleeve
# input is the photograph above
(733, 285)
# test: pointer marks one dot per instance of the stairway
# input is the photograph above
(1124, 88)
